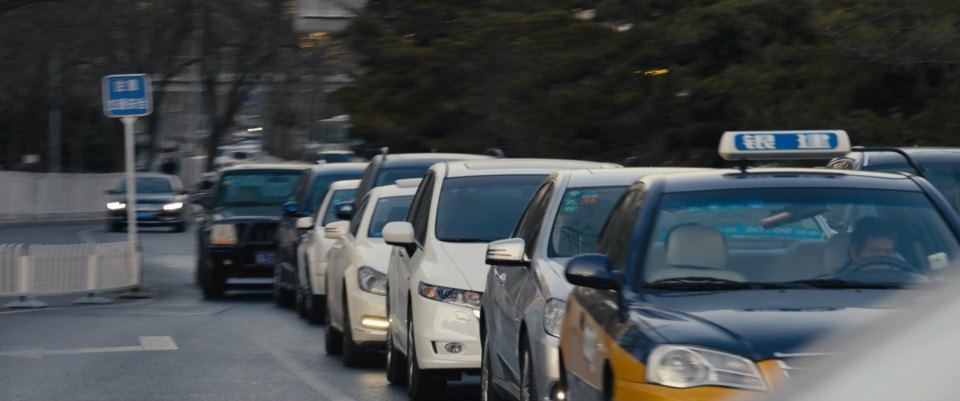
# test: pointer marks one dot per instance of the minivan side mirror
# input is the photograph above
(507, 252)
(592, 270)
(400, 233)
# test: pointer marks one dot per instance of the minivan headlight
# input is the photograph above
(684, 367)
(371, 280)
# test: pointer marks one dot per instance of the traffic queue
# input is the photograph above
(565, 279)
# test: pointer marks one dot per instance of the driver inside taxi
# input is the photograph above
(872, 237)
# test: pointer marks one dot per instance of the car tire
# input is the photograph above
(180, 227)
(300, 300)
(352, 354)
(316, 308)
(332, 342)
(282, 297)
(528, 381)
(488, 391)
(421, 386)
(396, 363)
(212, 282)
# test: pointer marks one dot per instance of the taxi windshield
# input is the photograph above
(580, 218)
(817, 236)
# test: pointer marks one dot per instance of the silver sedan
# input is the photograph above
(525, 296)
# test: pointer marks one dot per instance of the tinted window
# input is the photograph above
(387, 210)
(338, 197)
(945, 177)
(421, 213)
(528, 228)
(389, 176)
(150, 185)
(482, 209)
(616, 232)
(252, 188)
(318, 189)
(775, 235)
(357, 215)
(581, 216)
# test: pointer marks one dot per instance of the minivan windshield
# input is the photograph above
(816, 236)
(482, 208)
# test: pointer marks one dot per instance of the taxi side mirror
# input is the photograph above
(592, 270)
(336, 230)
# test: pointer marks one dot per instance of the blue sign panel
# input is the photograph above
(765, 142)
(127, 95)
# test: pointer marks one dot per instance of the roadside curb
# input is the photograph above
(78, 220)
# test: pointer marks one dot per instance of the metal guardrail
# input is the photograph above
(30, 270)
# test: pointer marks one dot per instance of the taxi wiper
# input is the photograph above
(844, 284)
(707, 283)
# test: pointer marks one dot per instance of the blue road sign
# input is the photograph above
(127, 95)
(783, 145)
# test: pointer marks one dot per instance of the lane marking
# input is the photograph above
(147, 343)
(322, 387)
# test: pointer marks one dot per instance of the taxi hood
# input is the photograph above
(468, 260)
(761, 324)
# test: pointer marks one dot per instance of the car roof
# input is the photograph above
(786, 178)
(617, 176)
(518, 166)
(345, 184)
(267, 166)
(338, 168)
(423, 159)
(920, 155)
(386, 191)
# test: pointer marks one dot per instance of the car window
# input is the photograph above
(318, 190)
(252, 188)
(149, 185)
(389, 209)
(615, 234)
(337, 198)
(420, 210)
(945, 177)
(532, 218)
(483, 208)
(358, 216)
(776, 235)
(581, 216)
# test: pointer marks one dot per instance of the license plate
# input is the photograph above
(144, 215)
(266, 257)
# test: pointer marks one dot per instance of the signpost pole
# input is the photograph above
(128, 127)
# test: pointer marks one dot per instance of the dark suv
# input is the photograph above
(940, 166)
(306, 197)
(385, 169)
(238, 227)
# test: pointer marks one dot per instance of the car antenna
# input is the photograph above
(384, 151)
(916, 167)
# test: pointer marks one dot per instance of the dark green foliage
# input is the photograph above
(532, 78)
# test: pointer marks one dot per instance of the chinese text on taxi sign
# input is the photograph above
(786, 141)
(127, 95)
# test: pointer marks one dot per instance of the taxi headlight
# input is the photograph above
(372, 281)
(116, 205)
(684, 367)
(553, 313)
(173, 206)
(456, 296)
(223, 234)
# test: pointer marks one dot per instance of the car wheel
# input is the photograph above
(331, 337)
(352, 354)
(212, 282)
(422, 385)
(316, 306)
(180, 227)
(396, 371)
(301, 303)
(281, 296)
(528, 382)
(488, 392)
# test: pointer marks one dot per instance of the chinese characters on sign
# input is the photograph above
(126, 95)
(786, 141)
(759, 142)
(813, 141)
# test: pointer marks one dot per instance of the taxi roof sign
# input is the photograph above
(783, 145)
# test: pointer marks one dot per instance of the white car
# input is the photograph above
(312, 251)
(357, 272)
(437, 269)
